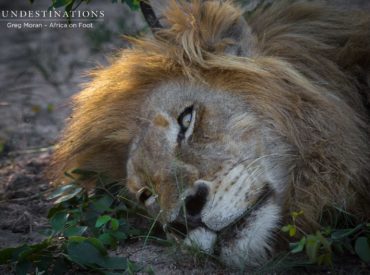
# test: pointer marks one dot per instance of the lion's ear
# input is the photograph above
(242, 41)
(222, 28)
(205, 26)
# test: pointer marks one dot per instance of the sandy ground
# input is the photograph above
(39, 71)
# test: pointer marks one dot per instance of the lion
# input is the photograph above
(221, 125)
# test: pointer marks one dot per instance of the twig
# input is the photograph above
(150, 16)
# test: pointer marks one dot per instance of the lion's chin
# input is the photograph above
(202, 238)
(246, 242)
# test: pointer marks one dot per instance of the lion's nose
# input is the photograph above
(194, 203)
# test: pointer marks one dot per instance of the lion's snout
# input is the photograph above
(194, 203)
(189, 216)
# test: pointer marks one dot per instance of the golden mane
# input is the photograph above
(304, 74)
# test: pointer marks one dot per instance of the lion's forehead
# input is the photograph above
(173, 95)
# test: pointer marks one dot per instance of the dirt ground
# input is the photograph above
(39, 71)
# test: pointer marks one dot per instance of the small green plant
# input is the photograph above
(84, 230)
(321, 247)
(292, 228)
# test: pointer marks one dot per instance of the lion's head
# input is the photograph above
(221, 128)
(204, 160)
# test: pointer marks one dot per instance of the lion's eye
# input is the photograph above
(186, 122)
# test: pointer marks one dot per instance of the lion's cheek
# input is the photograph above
(232, 197)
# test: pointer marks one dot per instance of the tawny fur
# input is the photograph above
(306, 70)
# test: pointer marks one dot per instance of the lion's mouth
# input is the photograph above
(181, 227)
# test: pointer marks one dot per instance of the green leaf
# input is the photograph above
(33, 251)
(102, 220)
(114, 224)
(115, 263)
(103, 204)
(19, 250)
(62, 191)
(98, 244)
(292, 231)
(60, 3)
(119, 235)
(73, 221)
(58, 220)
(107, 239)
(343, 233)
(68, 9)
(84, 253)
(299, 246)
(55, 209)
(24, 253)
(286, 228)
(6, 255)
(77, 239)
(324, 242)
(312, 248)
(362, 249)
(69, 196)
(133, 4)
(295, 214)
(75, 231)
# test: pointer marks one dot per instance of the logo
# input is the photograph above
(27, 19)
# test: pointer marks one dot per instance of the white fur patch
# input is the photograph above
(201, 238)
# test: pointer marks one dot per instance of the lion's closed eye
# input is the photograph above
(186, 121)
